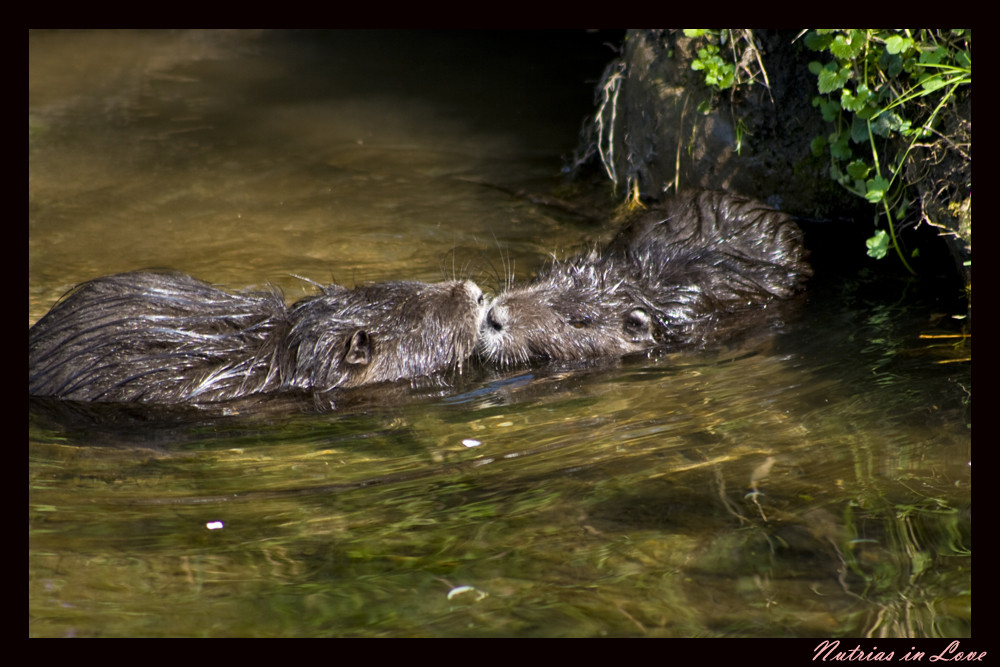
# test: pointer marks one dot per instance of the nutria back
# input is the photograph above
(692, 272)
(157, 337)
(760, 250)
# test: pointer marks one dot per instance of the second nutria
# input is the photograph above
(760, 248)
(691, 272)
(155, 337)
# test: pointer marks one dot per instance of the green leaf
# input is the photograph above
(852, 101)
(933, 56)
(838, 146)
(831, 79)
(694, 32)
(888, 122)
(846, 47)
(898, 44)
(890, 63)
(858, 169)
(815, 41)
(817, 146)
(868, 112)
(876, 189)
(932, 83)
(878, 245)
(859, 130)
(830, 109)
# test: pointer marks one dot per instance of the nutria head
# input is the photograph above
(381, 332)
(573, 310)
(699, 268)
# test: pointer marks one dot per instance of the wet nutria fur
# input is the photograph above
(169, 338)
(759, 249)
(693, 271)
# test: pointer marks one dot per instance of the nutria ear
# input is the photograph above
(359, 349)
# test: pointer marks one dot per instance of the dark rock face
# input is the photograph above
(650, 137)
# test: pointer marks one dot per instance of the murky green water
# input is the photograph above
(816, 484)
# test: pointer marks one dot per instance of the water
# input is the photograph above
(814, 484)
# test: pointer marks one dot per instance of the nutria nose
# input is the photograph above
(496, 318)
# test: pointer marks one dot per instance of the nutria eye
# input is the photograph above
(580, 323)
(637, 320)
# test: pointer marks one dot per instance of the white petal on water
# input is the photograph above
(459, 590)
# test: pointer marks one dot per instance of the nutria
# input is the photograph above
(688, 273)
(156, 337)
(761, 247)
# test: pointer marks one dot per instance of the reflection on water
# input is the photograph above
(815, 484)
(245, 158)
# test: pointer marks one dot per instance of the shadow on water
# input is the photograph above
(813, 482)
